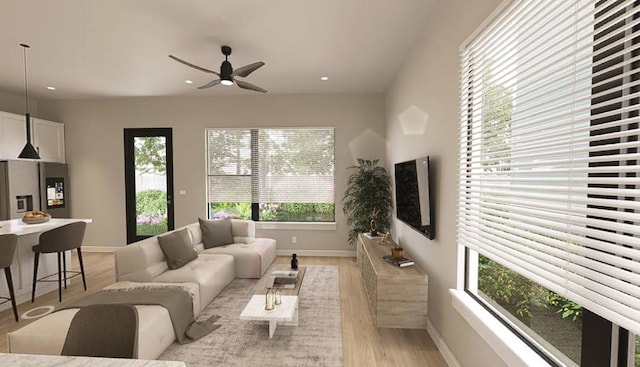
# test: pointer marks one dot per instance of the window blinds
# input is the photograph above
(549, 160)
(296, 166)
(229, 166)
(292, 165)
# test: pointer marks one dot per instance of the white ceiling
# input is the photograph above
(110, 48)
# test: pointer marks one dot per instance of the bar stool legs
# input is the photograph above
(60, 277)
(62, 273)
(84, 281)
(36, 258)
(8, 245)
(7, 273)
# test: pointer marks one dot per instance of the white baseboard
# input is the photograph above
(333, 253)
(442, 346)
(86, 248)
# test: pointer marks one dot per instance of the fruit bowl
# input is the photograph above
(36, 217)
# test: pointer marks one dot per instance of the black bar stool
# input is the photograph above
(8, 244)
(59, 240)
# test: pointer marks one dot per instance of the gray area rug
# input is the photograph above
(316, 341)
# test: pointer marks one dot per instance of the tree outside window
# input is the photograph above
(151, 191)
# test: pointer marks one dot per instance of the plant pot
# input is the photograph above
(397, 252)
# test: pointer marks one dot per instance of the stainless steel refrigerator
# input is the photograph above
(29, 185)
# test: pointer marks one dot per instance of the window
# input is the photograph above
(284, 175)
(636, 350)
(549, 194)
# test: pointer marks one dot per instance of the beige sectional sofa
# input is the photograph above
(142, 264)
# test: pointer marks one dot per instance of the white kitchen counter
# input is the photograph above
(17, 226)
(33, 360)
(22, 266)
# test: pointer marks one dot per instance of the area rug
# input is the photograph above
(316, 341)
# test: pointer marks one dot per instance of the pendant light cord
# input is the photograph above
(28, 151)
(26, 85)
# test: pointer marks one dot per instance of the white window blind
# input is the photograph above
(549, 158)
(296, 166)
(271, 166)
(229, 166)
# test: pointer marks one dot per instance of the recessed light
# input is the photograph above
(51, 88)
(188, 81)
(324, 78)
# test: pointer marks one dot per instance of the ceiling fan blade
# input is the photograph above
(210, 84)
(246, 85)
(247, 69)
(193, 66)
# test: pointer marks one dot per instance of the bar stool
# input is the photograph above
(59, 240)
(8, 244)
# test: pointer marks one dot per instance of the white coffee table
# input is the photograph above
(285, 313)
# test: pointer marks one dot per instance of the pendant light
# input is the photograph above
(28, 151)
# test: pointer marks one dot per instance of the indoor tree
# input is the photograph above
(368, 190)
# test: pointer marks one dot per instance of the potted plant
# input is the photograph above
(367, 201)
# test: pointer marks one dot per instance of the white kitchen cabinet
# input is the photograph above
(12, 135)
(48, 139)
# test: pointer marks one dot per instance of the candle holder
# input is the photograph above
(278, 299)
(397, 252)
(269, 299)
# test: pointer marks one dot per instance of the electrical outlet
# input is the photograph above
(294, 239)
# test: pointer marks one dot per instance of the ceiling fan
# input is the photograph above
(227, 76)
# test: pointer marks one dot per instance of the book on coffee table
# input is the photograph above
(284, 274)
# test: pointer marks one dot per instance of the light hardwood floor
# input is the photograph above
(362, 343)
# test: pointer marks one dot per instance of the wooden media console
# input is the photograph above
(397, 296)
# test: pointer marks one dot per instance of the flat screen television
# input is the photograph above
(414, 204)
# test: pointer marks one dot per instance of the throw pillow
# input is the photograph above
(177, 248)
(216, 232)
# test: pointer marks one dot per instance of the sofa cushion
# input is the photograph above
(216, 232)
(177, 248)
(196, 233)
(140, 261)
(251, 259)
(243, 228)
(211, 272)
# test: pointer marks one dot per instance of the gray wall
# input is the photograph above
(14, 103)
(94, 151)
(429, 84)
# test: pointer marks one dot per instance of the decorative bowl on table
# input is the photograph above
(36, 217)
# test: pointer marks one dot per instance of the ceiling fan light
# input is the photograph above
(226, 81)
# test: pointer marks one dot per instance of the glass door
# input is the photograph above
(149, 182)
